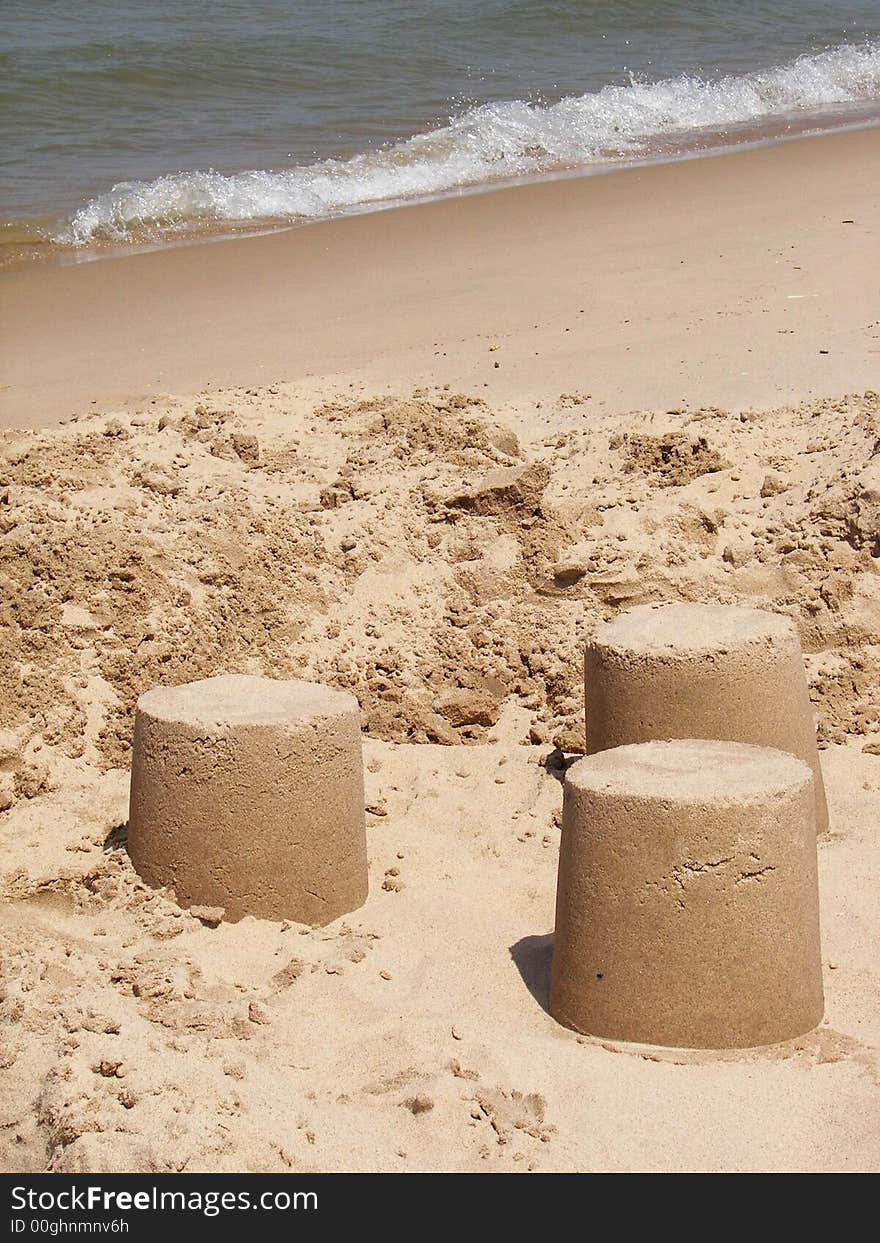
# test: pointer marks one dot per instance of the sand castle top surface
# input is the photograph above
(241, 699)
(688, 769)
(684, 628)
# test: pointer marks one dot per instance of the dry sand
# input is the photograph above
(443, 556)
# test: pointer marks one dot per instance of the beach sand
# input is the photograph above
(294, 455)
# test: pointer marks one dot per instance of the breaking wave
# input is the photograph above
(491, 142)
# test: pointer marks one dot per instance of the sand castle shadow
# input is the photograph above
(117, 839)
(531, 956)
(557, 763)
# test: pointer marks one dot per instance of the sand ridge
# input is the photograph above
(443, 560)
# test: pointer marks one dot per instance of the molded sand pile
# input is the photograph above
(687, 903)
(248, 794)
(701, 671)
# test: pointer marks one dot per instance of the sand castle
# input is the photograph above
(687, 897)
(248, 794)
(687, 908)
(687, 901)
(701, 671)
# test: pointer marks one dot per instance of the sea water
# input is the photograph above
(126, 121)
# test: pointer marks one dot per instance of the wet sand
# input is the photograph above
(729, 279)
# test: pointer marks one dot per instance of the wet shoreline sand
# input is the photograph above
(708, 280)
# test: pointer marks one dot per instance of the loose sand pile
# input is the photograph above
(444, 562)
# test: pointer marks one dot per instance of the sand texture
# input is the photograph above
(445, 560)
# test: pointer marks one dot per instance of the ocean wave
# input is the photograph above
(484, 144)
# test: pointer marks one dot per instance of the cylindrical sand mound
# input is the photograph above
(701, 671)
(248, 793)
(687, 909)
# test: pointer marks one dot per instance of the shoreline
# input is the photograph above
(755, 137)
(613, 291)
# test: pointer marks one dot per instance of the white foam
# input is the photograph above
(484, 144)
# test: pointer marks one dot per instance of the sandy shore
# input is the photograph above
(716, 280)
(311, 513)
